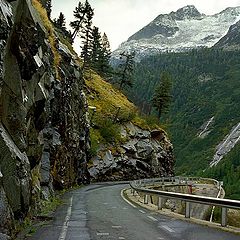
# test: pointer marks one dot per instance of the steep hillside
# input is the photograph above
(45, 119)
(44, 131)
(204, 115)
(124, 145)
(180, 31)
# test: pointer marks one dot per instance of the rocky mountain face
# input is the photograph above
(231, 41)
(44, 126)
(144, 154)
(180, 31)
(44, 138)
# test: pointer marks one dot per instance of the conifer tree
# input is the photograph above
(96, 49)
(87, 35)
(105, 56)
(125, 69)
(61, 21)
(162, 94)
(79, 13)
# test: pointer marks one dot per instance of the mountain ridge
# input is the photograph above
(180, 31)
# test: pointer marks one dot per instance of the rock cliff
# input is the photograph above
(43, 121)
(44, 126)
(144, 154)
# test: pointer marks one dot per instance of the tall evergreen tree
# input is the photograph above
(87, 35)
(96, 49)
(79, 13)
(105, 56)
(125, 69)
(61, 21)
(162, 94)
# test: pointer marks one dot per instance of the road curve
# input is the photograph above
(98, 212)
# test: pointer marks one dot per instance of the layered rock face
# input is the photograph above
(145, 154)
(43, 113)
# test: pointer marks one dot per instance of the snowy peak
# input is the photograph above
(164, 25)
(187, 12)
(180, 31)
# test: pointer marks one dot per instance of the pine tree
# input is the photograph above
(87, 35)
(125, 69)
(79, 14)
(96, 49)
(104, 66)
(61, 21)
(162, 94)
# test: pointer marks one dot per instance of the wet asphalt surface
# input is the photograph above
(98, 212)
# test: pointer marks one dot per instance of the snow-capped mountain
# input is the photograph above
(182, 30)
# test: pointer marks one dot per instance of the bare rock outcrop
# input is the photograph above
(43, 113)
(144, 154)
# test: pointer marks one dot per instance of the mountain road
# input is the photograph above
(98, 212)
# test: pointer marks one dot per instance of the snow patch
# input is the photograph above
(226, 145)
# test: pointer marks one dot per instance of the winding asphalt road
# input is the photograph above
(98, 212)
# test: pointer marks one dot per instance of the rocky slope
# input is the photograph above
(45, 119)
(43, 129)
(231, 41)
(144, 154)
(124, 145)
(180, 31)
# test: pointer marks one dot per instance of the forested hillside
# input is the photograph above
(205, 86)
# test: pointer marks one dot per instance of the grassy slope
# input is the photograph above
(107, 99)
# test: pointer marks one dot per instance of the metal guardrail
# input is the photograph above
(141, 186)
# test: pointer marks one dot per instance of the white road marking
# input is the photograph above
(102, 234)
(122, 238)
(116, 226)
(127, 200)
(65, 224)
(160, 238)
(141, 211)
(105, 203)
(168, 228)
(152, 218)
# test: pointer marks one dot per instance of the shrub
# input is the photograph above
(110, 131)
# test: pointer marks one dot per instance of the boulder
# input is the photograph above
(144, 154)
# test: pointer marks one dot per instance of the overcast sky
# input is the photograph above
(122, 18)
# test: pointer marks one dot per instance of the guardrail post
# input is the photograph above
(187, 210)
(160, 203)
(132, 191)
(224, 217)
(146, 199)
